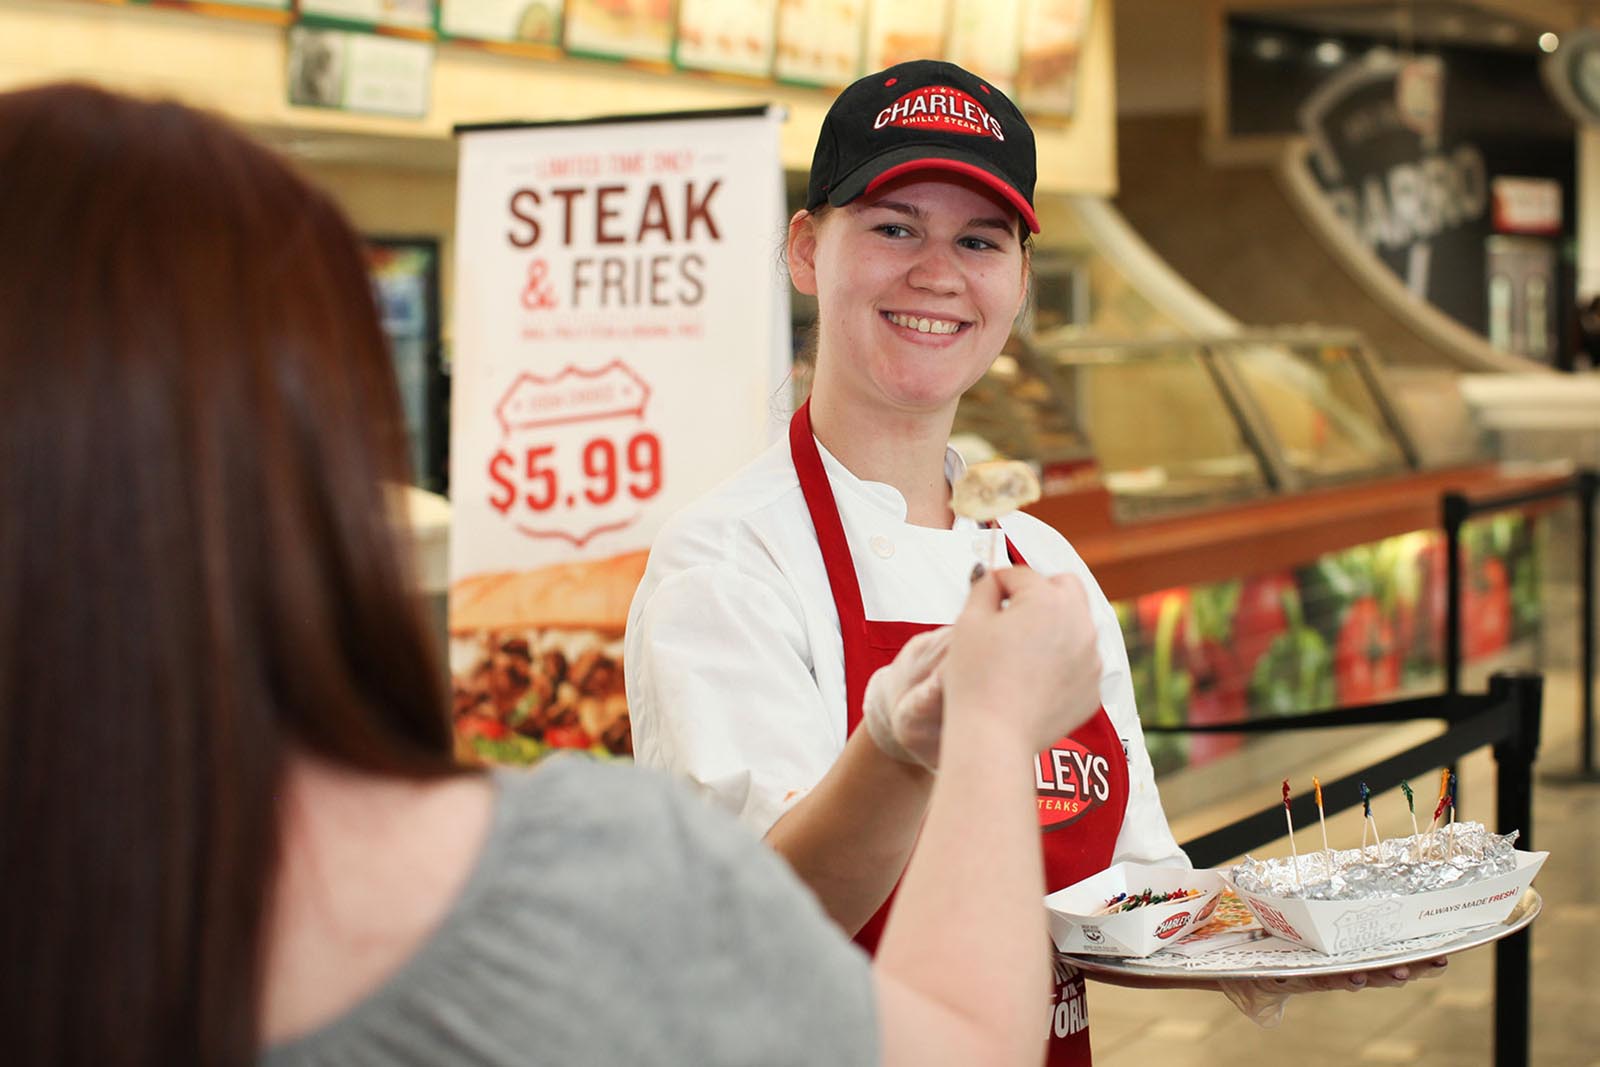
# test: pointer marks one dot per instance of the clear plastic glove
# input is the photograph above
(903, 707)
(1262, 1001)
(1025, 654)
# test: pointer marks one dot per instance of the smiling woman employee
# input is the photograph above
(768, 604)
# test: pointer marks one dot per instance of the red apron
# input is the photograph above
(1081, 780)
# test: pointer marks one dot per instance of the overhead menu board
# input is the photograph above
(731, 36)
(1051, 42)
(898, 30)
(819, 41)
(1028, 48)
(620, 29)
(531, 21)
(242, 8)
(404, 14)
(984, 38)
(356, 71)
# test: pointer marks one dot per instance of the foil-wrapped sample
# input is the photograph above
(1457, 855)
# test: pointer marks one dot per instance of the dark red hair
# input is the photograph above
(199, 568)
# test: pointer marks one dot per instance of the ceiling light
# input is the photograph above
(1269, 48)
(1549, 42)
(1329, 53)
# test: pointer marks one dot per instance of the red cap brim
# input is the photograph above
(999, 185)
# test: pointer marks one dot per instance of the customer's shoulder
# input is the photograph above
(617, 810)
(577, 788)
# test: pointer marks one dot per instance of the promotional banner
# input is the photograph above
(621, 335)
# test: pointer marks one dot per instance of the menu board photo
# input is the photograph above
(404, 14)
(985, 38)
(1052, 39)
(899, 30)
(730, 36)
(249, 8)
(620, 29)
(353, 70)
(819, 41)
(530, 21)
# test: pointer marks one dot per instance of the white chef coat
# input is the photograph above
(733, 655)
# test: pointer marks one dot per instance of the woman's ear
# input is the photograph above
(802, 252)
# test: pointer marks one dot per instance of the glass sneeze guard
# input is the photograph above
(1181, 424)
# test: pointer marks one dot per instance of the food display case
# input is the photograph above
(1179, 424)
(1258, 510)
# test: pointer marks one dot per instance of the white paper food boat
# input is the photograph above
(1334, 926)
(1143, 931)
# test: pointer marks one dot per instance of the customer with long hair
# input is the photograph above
(230, 826)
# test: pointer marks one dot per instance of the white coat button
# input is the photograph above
(882, 547)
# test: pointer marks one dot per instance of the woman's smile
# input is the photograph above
(917, 284)
(925, 325)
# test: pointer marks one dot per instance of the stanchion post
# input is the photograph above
(1514, 756)
(1588, 484)
(1454, 509)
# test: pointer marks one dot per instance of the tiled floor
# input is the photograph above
(1440, 1022)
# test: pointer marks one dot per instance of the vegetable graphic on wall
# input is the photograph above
(1295, 673)
(1351, 627)
(1366, 659)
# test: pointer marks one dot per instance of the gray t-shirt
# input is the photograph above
(614, 919)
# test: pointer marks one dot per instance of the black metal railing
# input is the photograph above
(1455, 510)
(1507, 718)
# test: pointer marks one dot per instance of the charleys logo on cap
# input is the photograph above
(1070, 782)
(940, 107)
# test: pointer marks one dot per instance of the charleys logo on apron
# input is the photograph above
(1070, 781)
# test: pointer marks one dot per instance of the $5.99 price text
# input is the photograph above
(532, 479)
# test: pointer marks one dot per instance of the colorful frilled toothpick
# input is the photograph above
(1368, 822)
(1444, 795)
(1411, 806)
(1446, 801)
(1450, 833)
(1322, 822)
(1288, 820)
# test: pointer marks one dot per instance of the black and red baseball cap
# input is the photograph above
(923, 115)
